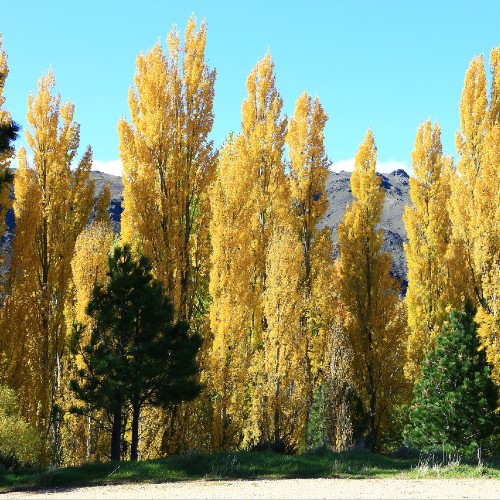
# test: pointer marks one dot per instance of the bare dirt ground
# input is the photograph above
(285, 488)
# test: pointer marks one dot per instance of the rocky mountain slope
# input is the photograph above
(339, 194)
(396, 185)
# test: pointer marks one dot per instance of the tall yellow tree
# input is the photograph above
(474, 209)
(376, 318)
(168, 164)
(52, 205)
(470, 147)
(230, 276)
(487, 252)
(280, 370)
(428, 228)
(263, 130)
(308, 174)
(250, 198)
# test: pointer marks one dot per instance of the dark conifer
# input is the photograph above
(455, 399)
(136, 355)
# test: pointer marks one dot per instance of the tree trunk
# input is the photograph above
(371, 439)
(116, 435)
(135, 432)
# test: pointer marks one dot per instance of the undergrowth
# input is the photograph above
(244, 465)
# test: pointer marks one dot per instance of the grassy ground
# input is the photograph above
(242, 465)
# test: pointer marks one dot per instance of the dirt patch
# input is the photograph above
(285, 488)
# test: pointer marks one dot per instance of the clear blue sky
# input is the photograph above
(388, 65)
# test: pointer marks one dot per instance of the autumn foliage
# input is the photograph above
(300, 338)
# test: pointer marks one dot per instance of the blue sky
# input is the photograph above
(388, 65)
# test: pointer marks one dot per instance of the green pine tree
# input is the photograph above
(136, 355)
(8, 134)
(455, 399)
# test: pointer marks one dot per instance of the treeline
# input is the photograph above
(299, 349)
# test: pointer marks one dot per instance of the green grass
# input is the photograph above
(240, 465)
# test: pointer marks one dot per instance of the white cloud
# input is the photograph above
(347, 165)
(113, 167)
(382, 166)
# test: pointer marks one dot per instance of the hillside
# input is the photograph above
(396, 185)
(339, 196)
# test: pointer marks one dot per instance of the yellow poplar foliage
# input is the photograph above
(308, 165)
(308, 174)
(339, 381)
(280, 369)
(428, 228)
(249, 198)
(82, 439)
(262, 142)
(168, 164)
(230, 276)
(370, 295)
(52, 205)
(89, 264)
(6, 156)
(487, 254)
(475, 208)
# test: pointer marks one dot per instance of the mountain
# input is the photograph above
(116, 189)
(338, 190)
(397, 195)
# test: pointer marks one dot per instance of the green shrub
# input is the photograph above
(19, 442)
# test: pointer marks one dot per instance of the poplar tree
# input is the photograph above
(428, 227)
(251, 199)
(281, 401)
(487, 235)
(53, 201)
(263, 132)
(230, 277)
(168, 164)
(291, 360)
(308, 174)
(475, 212)
(370, 295)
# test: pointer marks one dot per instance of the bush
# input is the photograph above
(20, 444)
